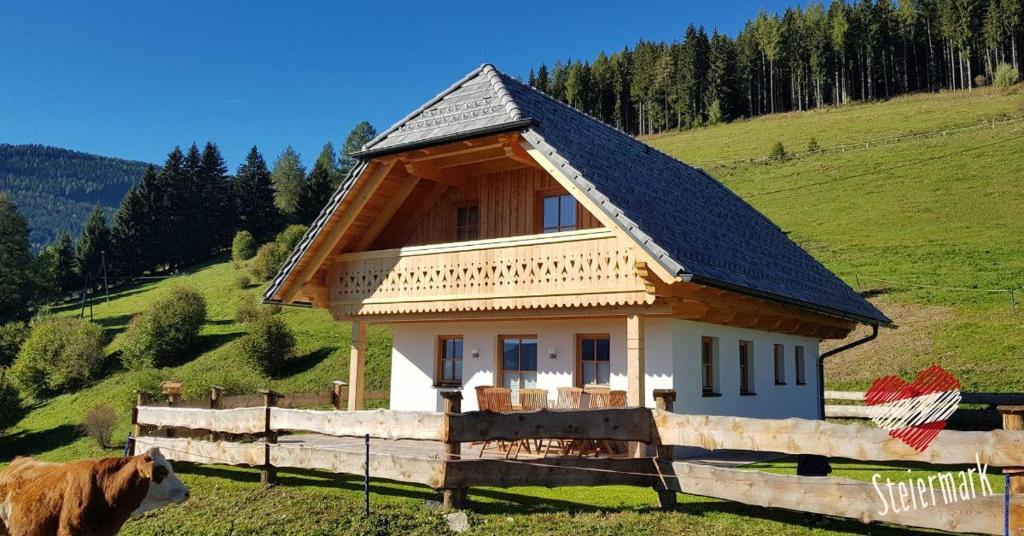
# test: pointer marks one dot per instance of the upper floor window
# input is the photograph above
(594, 363)
(780, 364)
(449, 361)
(467, 223)
(801, 370)
(746, 368)
(559, 213)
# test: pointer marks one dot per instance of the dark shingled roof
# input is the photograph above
(688, 221)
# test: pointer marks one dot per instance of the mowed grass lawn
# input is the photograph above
(943, 211)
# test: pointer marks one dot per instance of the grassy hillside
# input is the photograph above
(55, 188)
(933, 211)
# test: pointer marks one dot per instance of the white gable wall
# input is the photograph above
(672, 359)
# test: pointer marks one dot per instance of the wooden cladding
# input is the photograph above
(573, 269)
(508, 206)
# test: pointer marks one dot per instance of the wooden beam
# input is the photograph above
(550, 472)
(635, 360)
(405, 187)
(623, 424)
(998, 448)
(357, 366)
(380, 423)
(423, 207)
(181, 449)
(419, 157)
(326, 242)
(236, 421)
(839, 497)
(350, 460)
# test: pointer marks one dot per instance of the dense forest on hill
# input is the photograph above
(56, 188)
(806, 57)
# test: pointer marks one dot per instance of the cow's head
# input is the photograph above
(164, 486)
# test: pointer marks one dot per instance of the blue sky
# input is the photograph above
(133, 79)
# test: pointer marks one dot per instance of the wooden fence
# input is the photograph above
(660, 428)
(982, 418)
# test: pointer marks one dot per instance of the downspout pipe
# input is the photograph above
(830, 353)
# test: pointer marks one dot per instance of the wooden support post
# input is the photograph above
(268, 473)
(216, 402)
(357, 366)
(338, 394)
(1013, 419)
(664, 399)
(635, 370)
(453, 497)
(140, 400)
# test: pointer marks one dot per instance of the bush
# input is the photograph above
(980, 81)
(60, 354)
(166, 333)
(778, 151)
(1006, 76)
(268, 344)
(243, 247)
(290, 237)
(242, 281)
(268, 261)
(11, 408)
(812, 146)
(99, 424)
(12, 335)
(249, 309)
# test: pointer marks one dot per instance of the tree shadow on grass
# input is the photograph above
(24, 443)
(303, 363)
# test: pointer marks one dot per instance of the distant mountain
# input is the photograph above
(55, 188)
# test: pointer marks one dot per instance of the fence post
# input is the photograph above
(140, 400)
(268, 473)
(338, 394)
(1013, 419)
(452, 449)
(216, 402)
(664, 399)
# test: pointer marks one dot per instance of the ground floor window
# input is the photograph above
(593, 360)
(746, 368)
(449, 360)
(801, 371)
(709, 366)
(518, 363)
(780, 364)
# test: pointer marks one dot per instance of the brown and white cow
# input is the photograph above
(84, 497)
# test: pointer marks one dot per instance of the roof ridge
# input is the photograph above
(494, 76)
(424, 106)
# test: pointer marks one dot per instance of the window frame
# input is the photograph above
(746, 363)
(474, 204)
(500, 357)
(579, 359)
(801, 365)
(440, 358)
(541, 228)
(779, 355)
(709, 367)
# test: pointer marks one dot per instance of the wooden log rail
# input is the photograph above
(964, 418)
(840, 497)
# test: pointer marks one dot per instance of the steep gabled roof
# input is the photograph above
(689, 222)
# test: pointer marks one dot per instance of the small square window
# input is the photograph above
(558, 213)
(449, 361)
(467, 223)
(594, 360)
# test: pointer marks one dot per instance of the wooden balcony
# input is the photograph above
(572, 269)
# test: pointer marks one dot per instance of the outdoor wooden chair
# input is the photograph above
(617, 399)
(568, 398)
(530, 400)
(600, 399)
(495, 399)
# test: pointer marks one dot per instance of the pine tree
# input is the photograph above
(193, 210)
(542, 78)
(254, 196)
(15, 262)
(63, 264)
(317, 189)
(149, 228)
(720, 95)
(288, 177)
(93, 245)
(172, 197)
(217, 204)
(360, 135)
(127, 257)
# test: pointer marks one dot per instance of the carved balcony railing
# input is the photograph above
(571, 269)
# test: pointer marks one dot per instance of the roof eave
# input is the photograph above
(441, 140)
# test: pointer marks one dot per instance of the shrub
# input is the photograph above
(268, 344)
(12, 335)
(812, 146)
(248, 309)
(99, 424)
(60, 354)
(166, 333)
(242, 281)
(11, 408)
(980, 81)
(268, 261)
(778, 151)
(243, 247)
(290, 237)
(1006, 76)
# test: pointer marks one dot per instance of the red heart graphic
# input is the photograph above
(914, 412)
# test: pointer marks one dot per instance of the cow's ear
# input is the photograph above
(146, 466)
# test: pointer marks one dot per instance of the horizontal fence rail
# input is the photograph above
(232, 421)
(964, 418)
(379, 423)
(624, 424)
